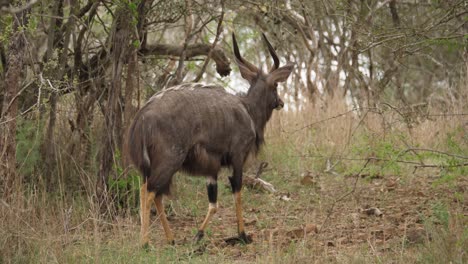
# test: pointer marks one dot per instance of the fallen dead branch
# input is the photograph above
(372, 211)
(258, 184)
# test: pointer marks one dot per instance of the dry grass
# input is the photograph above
(424, 210)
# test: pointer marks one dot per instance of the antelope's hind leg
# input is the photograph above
(158, 200)
(160, 182)
(146, 199)
(212, 189)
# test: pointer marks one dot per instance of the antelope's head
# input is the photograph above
(263, 86)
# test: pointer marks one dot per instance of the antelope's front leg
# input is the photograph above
(212, 189)
(236, 184)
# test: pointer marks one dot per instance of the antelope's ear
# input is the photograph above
(281, 74)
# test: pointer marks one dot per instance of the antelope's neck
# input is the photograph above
(258, 110)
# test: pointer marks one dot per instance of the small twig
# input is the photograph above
(412, 150)
(440, 166)
(16, 96)
(189, 26)
(219, 29)
(321, 121)
(416, 167)
(379, 159)
(364, 108)
(437, 151)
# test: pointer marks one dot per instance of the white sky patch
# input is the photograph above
(334, 65)
(334, 52)
(336, 40)
(364, 65)
(320, 87)
(313, 75)
(348, 98)
(342, 78)
(237, 84)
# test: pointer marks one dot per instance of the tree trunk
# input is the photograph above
(16, 51)
(49, 142)
(132, 82)
(112, 138)
(47, 147)
(131, 85)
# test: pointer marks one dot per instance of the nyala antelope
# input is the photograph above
(199, 129)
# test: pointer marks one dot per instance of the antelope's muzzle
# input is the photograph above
(279, 104)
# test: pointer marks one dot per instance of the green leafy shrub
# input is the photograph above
(125, 187)
(384, 152)
(28, 143)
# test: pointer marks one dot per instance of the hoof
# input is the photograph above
(241, 239)
(245, 238)
(199, 236)
(145, 246)
(171, 242)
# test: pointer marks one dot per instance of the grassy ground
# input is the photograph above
(331, 172)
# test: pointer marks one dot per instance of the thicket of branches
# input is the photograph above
(74, 72)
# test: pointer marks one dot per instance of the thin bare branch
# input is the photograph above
(219, 29)
(13, 10)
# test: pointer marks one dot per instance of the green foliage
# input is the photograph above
(125, 190)
(33, 22)
(390, 155)
(136, 43)
(6, 28)
(450, 45)
(131, 7)
(191, 66)
(455, 142)
(440, 214)
(385, 152)
(448, 237)
(284, 153)
(28, 142)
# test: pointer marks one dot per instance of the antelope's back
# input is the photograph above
(192, 114)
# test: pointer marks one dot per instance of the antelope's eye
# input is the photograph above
(275, 87)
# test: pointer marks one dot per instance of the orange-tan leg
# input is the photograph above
(145, 207)
(240, 219)
(212, 208)
(212, 189)
(162, 216)
(236, 184)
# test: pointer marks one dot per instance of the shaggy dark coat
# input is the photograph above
(197, 128)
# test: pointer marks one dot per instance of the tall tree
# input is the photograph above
(112, 137)
(14, 68)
